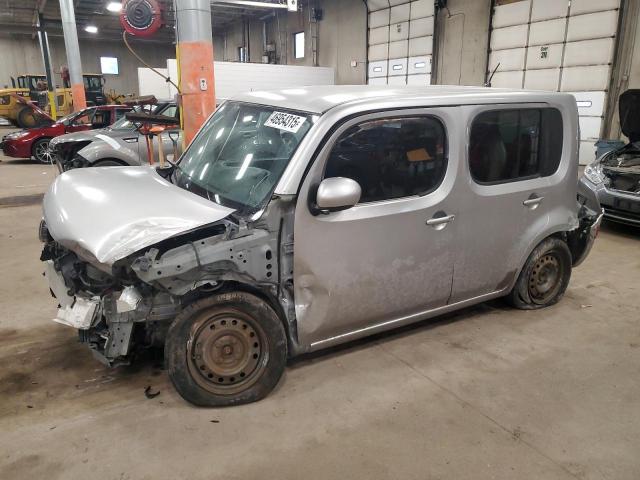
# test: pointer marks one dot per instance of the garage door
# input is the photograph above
(558, 45)
(400, 42)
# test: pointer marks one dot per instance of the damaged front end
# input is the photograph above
(115, 314)
(128, 306)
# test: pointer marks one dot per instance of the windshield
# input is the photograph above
(241, 153)
(69, 118)
(92, 83)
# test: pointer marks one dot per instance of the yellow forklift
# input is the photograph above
(31, 89)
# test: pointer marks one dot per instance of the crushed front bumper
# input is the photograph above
(108, 323)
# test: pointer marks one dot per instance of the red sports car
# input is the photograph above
(34, 142)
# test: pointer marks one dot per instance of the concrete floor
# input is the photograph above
(488, 393)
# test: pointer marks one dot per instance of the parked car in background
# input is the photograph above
(119, 145)
(35, 142)
(615, 176)
(298, 220)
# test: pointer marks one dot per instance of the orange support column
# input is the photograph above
(195, 64)
(78, 97)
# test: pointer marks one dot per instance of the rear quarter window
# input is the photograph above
(515, 144)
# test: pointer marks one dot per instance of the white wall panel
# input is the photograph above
(379, 18)
(378, 52)
(378, 69)
(398, 49)
(421, 46)
(377, 4)
(421, 27)
(544, 56)
(422, 8)
(507, 79)
(589, 52)
(419, 65)
(399, 31)
(419, 79)
(377, 81)
(591, 78)
(397, 80)
(508, 59)
(550, 31)
(400, 13)
(590, 103)
(547, 9)
(509, 37)
(378, 35)
(547, 79)
(592, 25)
(397, 67)
(516, 13)
(590, 128)
(587, 152)
(586, 6)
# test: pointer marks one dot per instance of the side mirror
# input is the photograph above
(335, 194)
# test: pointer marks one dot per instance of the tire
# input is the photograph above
(41, 152)
(227, 349)
(108, 163)
(26, 118)
(544, 277)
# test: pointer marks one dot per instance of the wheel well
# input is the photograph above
(103, 160)
(262, 294)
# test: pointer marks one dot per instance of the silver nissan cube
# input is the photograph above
(304, 218)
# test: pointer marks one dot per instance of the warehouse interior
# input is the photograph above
(113, 112)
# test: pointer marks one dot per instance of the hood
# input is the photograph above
(629, 107)
(105, 214)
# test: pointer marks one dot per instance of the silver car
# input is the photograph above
(615, 176)
(118, 145)
(305, 218)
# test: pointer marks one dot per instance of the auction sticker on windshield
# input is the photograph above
(285, 121)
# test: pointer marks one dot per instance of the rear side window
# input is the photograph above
(515, 144)
(391, 158)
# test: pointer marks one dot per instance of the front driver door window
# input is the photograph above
(378, 262)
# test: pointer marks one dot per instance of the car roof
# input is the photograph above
(319, 99)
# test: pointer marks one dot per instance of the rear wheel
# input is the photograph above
(227, 349)
(41, 151)
(545, 276)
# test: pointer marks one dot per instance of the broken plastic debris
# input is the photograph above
(149, 394)
(128, 300)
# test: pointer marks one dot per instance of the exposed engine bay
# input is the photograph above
(621, 169)
(130, 307)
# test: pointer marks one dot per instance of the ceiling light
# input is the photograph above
(91, 29)
(114, 6)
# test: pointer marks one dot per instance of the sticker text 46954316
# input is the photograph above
(285, 121)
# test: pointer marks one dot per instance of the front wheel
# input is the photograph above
(41, 151)
(545, 276)
(227, 349)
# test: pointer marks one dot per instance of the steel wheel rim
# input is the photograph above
(545, 278)
(43, 153)
(227, 352)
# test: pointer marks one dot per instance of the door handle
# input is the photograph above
(533, 201)
(440, 222)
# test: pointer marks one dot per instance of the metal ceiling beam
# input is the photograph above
(248, 4)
